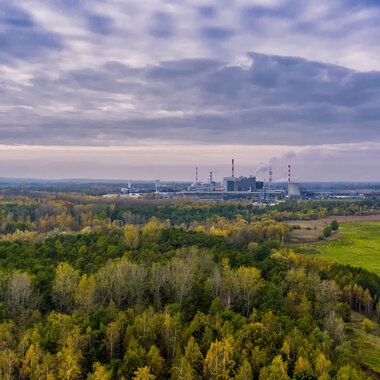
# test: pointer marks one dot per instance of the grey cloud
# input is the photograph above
(100, 24)
(278, 100)
(216, 33)
(162, 25)
(207, 11)
(22, 38)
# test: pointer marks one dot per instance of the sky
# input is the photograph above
(137, 89)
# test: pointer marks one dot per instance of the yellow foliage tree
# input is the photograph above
(143, 373)
(85, 293)
(276, 371)
(301, 364)
(155, 361)
(322, 365)
(193, 354)
(131, 236)
(219, 361)
(68, 362)
(100, 373)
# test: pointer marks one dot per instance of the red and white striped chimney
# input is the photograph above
(233, 168)
(289, 173)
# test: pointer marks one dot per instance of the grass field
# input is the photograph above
(359, 246)
(367, 344)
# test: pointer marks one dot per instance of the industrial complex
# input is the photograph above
(239, 188)
(229, 188)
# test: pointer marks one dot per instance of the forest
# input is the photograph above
(99, 289)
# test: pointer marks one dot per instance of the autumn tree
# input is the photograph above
(20, 294)
(32, 364)
(219, 361)
(246, 283)
(143, 373)
(151, 231)
(244, 372)
(183, 371)
(85, 293)
(155, 361)
(131, 236)
(69, 362)
(100, 373)
(276, 371)
(194, 355)
(113, 339)
(64, 286)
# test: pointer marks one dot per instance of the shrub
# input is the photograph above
(368, 325)
(334, 225)
(327, 231)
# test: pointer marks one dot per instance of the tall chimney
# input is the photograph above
(233, 168)
(270, 177)
(289, 173)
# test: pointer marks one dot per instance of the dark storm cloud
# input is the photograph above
(276, 100)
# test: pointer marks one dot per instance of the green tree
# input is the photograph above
(305, 374)
(334, 225)
(327, 231)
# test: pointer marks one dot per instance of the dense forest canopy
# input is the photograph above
(140, 290)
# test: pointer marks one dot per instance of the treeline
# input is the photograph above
(19, 219)
(151, 243)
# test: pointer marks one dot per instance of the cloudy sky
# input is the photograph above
(150, 89)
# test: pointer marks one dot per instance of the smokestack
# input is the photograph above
(270, 177)
(196, 174)
(233, 168)
(289, 173)
(210, 177)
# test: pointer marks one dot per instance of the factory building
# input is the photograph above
(230, 184)
(247, 184)
(241, 184)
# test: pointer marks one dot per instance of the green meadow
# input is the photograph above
(359, 246)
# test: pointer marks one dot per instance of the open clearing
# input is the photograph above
(358, 245)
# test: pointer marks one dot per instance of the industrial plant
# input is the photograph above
(242, 188)
(238, 188)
